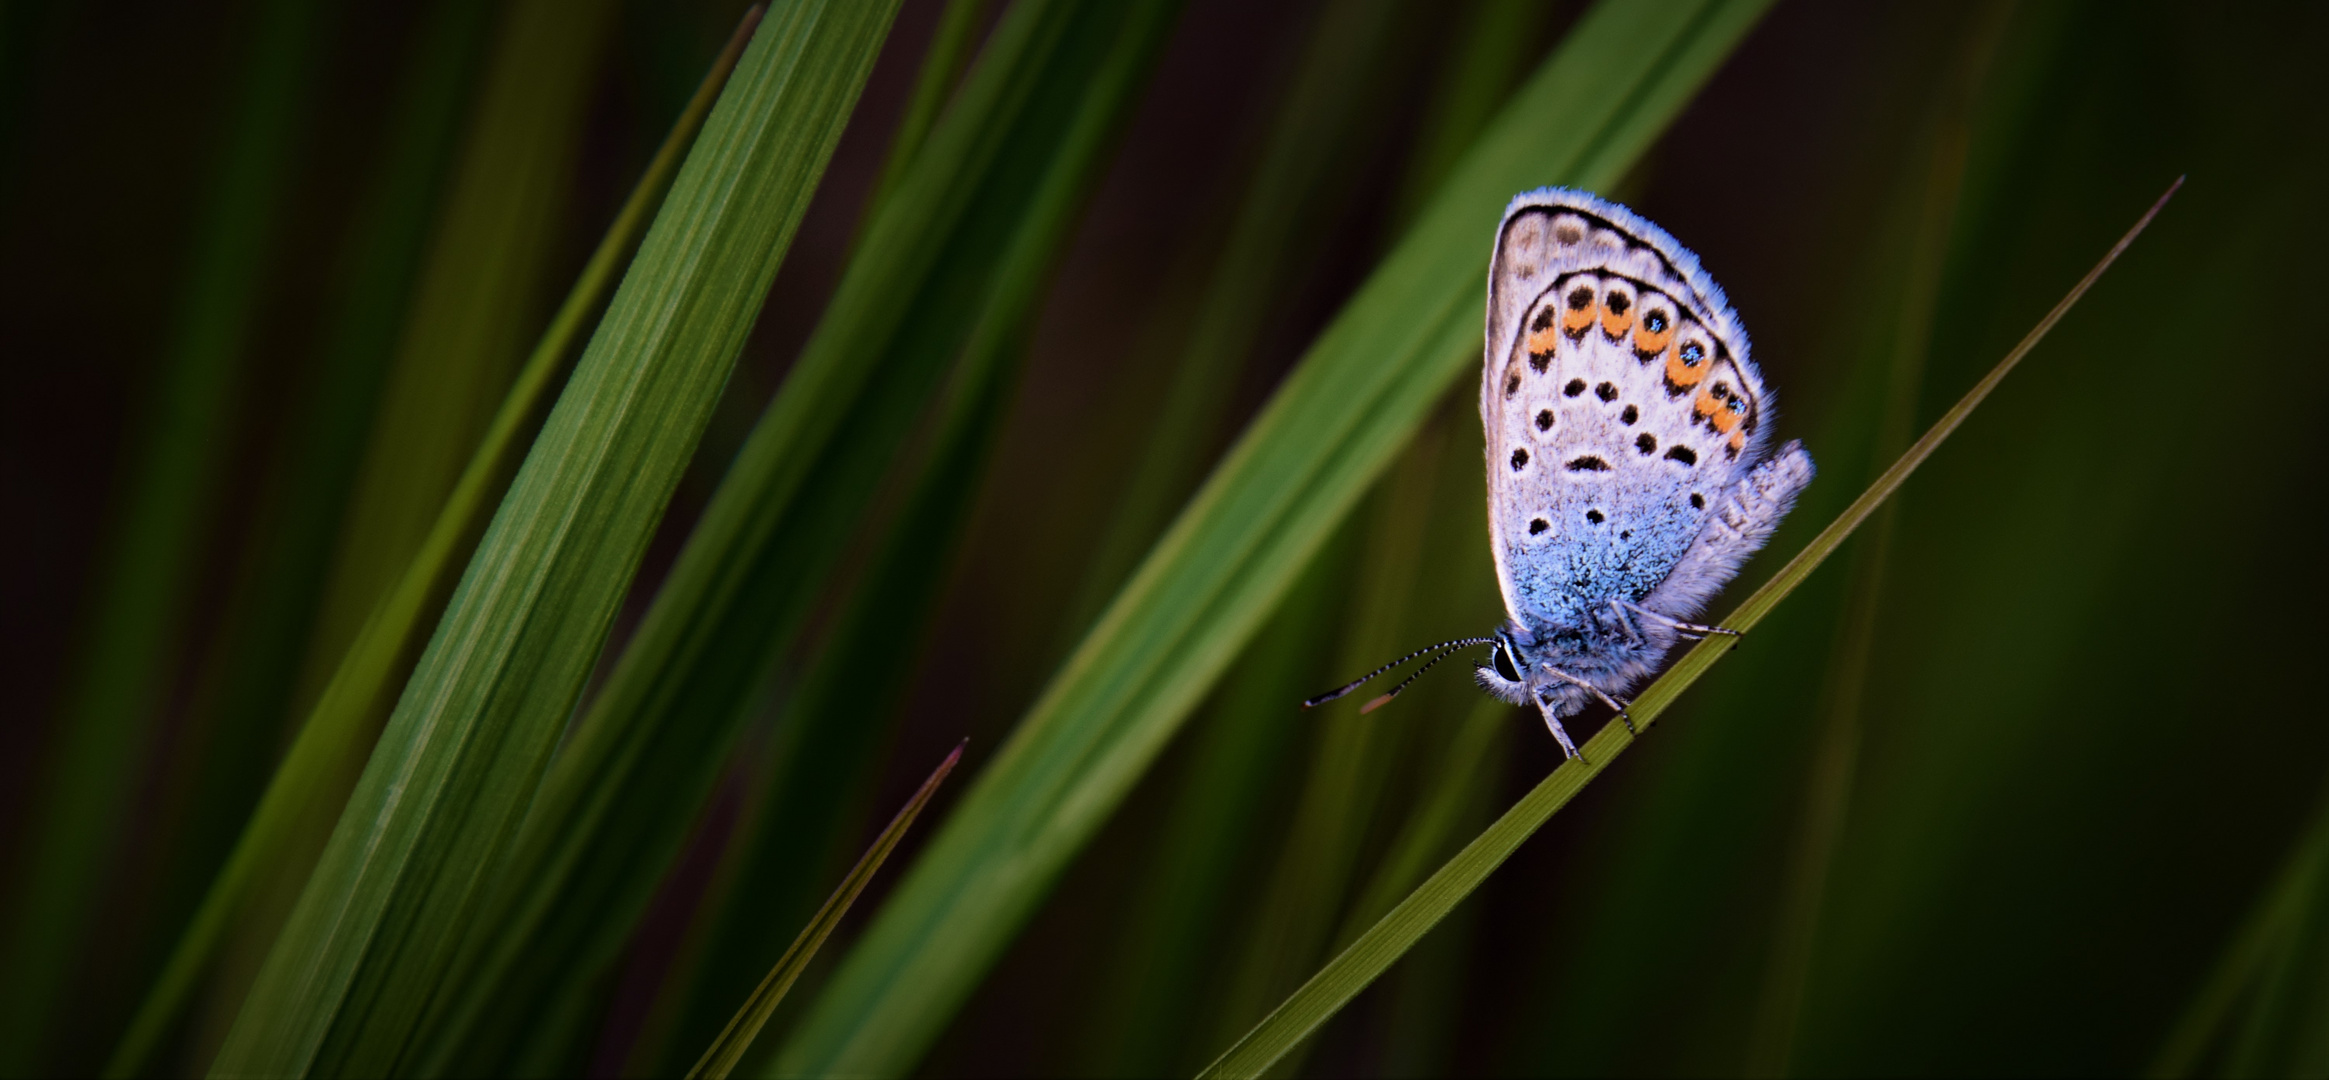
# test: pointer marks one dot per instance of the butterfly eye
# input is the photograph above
(1503, 657)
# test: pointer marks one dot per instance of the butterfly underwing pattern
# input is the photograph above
(1628, 475)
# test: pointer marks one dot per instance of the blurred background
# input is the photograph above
(2026, 780)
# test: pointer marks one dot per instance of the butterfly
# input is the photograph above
(1629, 475)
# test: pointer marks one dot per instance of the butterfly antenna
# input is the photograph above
(1461, 643)
(1410, 679)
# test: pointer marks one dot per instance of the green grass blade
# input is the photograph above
(475, 309)
(831, 728)
(721, 1057)
(313, 779)
(120, 675)
(950, 51)
(965, 244)
(1398, 931)
(1332, 427)
(464, 750)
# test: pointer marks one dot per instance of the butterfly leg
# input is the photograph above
(1613, 703)
(1627, 624)
(1553, 723)
(1691, 630)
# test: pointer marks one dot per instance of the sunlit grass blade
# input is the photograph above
(721, 1057)
(1332, 427)
(396, 888)
(965, 244)
(833, 724)
(113, 698)
(1375, 951)
(322, 761)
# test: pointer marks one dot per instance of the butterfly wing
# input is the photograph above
(1619, 403)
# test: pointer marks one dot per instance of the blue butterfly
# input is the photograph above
(1629, 475)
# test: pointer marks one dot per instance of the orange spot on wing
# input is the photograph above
(1738, 440)
(1615, 323)
(1707, 404)
(1575, 319)
(1651, 344)
(1681, 374)
(1543, 341)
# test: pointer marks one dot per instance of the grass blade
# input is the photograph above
(316, 771)
(463, 752)
(950, 51)
(475, 308)
(1406, 924)
(1332, 427)
(115, 693)
(721, 1057)
(965, 243)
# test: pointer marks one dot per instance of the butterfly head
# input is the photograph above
(1502, 675)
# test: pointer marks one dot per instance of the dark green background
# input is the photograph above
(2088, 738)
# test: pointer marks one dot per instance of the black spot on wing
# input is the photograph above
(1588, 463)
